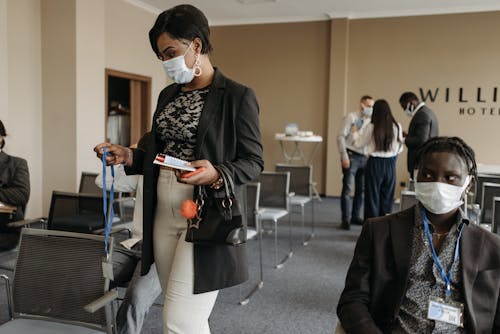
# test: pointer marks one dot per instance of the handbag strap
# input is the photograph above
(228, 180)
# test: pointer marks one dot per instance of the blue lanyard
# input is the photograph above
(446, 277)
(108, 221)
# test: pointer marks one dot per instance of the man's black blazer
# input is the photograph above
(228, 133)
(423, 125)
(14, 183)
(377, 277)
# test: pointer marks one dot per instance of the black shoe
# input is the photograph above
(356, 221)
(345, 226)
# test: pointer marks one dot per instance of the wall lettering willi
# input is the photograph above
(470, 102)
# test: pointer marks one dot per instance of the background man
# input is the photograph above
(353, 162)
(423, 125)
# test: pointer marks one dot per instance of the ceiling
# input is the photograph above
(233, 12)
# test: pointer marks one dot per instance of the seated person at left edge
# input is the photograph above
(426, 269)
(14, 191)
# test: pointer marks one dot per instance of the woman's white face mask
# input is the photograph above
(438, 197)
(177, 69)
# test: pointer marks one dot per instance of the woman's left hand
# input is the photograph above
(205, 177)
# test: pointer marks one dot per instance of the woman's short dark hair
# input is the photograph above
(3, 133)
(182, 22)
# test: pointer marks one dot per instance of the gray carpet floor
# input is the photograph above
(300, 298)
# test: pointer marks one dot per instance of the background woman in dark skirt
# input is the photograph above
(384, 140)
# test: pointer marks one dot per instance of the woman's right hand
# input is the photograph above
(117, 154)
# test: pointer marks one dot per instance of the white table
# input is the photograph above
(488, 169)
(297, 153)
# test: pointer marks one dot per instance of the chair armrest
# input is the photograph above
(291, 194)
(124, 199)
(116, 229)
(27, 222)
(100, 302)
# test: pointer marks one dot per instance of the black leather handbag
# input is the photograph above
(218, 220)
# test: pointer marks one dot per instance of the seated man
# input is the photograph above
(142, 291)
(426, 269)
(14, 192)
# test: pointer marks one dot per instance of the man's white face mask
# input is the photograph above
(410, 108)
(438, 197)
(367, 111)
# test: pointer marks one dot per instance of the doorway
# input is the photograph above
(128, 104)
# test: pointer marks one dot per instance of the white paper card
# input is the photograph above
(175, 163)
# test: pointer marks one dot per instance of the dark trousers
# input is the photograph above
(354, 175)
(380, 181)
(9, 237)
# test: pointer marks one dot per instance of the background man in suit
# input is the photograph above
(423, 125)
(426, 258)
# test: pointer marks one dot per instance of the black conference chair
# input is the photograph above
(87, 184)
(59, 286)
(82, 213)
(496, 215)
(274, 204)
(489, 191)
(301, 185)
(478, 185)
(123, 203)
(252, 194)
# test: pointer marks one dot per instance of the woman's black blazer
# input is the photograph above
(228, 133)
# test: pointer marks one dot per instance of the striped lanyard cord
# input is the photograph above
(108, 216)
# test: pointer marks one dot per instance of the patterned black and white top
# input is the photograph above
(177, 124)
(425, 280)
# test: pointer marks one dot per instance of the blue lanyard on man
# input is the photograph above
(445, 276)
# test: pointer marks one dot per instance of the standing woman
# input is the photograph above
(384, 139)
(14, 191)
(209, 120)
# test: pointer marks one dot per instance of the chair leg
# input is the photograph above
(290, 241)
(258, 286)
(312, 224)
(304, 240)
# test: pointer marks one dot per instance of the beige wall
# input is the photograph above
(392, 55)
(20, 88)
(314, 73)
(286, 65)
(339, 66)
(59, 97)
(53, 55)
(127, 45)
(90, 95)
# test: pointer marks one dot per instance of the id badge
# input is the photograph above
(107, 268)
(446, 311)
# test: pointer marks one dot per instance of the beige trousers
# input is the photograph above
(183, 311)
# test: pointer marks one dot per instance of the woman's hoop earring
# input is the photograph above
(197, 67)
